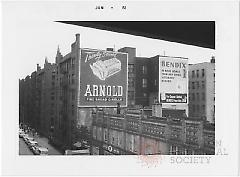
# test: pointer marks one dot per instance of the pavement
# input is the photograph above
(23, 148)
(42, 141)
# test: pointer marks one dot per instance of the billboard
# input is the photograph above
(103, 78)
(173, 79)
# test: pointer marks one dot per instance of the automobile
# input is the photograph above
(25, 136)
(43, 151)
(35, 149)
(28, 138)
(21, 134)
(32, 143)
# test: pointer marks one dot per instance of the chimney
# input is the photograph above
(213, 59)
(38, 67)
(58, 55)
(78, 39)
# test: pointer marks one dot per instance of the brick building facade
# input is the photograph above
(136, 134)
(202, 90)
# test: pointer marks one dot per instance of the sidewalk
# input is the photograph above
(42, 141)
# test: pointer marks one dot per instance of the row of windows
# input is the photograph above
(196, 85)
(130, 95)
(209, 140)
(131, 82)
(196, 108)
(175, 134)
(133, 125)
(70, 79)
(70, 63)
(196, 96)
(144, 69)
(157, 130)
(144, 82)
(131, 68)
(197, 74)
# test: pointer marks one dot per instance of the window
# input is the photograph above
(73, 63)
(52, 121)
(193, 74)
(73, 79)
(60, 81)
(68, 79)
(203, 72)
(130, 68)
(193, 108)
(113, 140)
(203, 84)
(73, 95)
(203, 96)
(197, 107)
(105, 135)
(155, 82)
(144, 83)
(197, 85)
(197, 73)
(130, 94)
(130, 82)
(193, 86)
(72, 109)
(144, 69)
(203, 108)
(193, 96)
(197, 96)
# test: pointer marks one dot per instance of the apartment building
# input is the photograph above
(202, 90)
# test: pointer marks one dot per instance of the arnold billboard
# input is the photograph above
(173, 80)
(103, 78)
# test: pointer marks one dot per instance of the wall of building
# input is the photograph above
(141, 84)
(128, 134)
(67, 93)
(131, 73)
(202, 91)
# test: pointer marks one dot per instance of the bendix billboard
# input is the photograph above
(173, 79)
(103, 78)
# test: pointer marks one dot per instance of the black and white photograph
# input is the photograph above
(141, 86)
(111, 101)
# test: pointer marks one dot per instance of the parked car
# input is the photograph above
(43, 151)
(25, 136)
(32, 143)
(28, 139)
(21, 134)
(35, 149)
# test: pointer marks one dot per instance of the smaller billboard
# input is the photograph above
(173, 79)
(174, 98)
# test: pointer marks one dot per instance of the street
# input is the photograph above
(23, 148)
(42, 141)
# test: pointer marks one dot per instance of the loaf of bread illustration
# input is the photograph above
(105, 69)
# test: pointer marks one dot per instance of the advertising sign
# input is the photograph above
(173, 79)
(103, 78)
